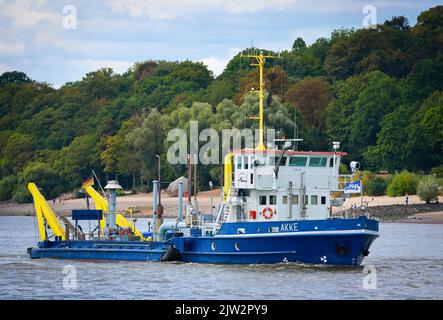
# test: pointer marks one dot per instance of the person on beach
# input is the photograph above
(406, 199)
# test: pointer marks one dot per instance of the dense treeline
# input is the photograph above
(378, 91)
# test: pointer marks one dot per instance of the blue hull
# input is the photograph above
(332, 241)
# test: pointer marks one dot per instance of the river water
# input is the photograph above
(408, 262)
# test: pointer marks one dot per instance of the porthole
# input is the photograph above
(213, 246)
(237, 246)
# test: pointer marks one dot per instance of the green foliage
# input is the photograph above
(44, 176)
(384, 48)
(343, 169)
(299, 44)
(18, 151)
(7, 186)
(427, 189)
(22, 195)
(14, 77)
(425, 78)
(354, 116)
(438, 171)
(404, 183)
(147, 142)
(76, 161)
(411, 137)
(376, 186)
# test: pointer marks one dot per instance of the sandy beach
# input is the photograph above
(386, 208)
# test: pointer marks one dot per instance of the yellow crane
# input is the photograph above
(44, 214)
(102, 204)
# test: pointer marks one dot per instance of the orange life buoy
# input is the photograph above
(267, 213)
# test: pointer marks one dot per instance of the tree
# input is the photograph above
(7, 186)
(76, 161)
(311, 96)
(299, 44)
(429, 30)
(18, 151)
(390, 151)
(99, 84)
(425, 78)
(427, 189)
(147, 141)
(14, 77)
(411, 137)
(385, 48)
(354, 116)
(44, 176)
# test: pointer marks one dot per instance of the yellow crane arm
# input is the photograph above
(124, 223)
(102, 204)
(44, 212)
(228, 175)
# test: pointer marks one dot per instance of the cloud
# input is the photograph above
(12, 49)
(217, 64)
(26, 14)
(170, 9)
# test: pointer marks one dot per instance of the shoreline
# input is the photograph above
(386, 209)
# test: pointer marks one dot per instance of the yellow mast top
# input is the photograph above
(261, 59)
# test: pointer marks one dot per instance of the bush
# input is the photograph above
(373, 185)
(427, 189)
(22, 195)
(402, 184)
(438, 171)
(7, 186)
(376, 186)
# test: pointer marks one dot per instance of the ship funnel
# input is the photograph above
(112, 187)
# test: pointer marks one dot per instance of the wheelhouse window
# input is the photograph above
(246, 162)
(262, 200)
(314, 200)
(272, 199)
(323, 200)
(284, 200)
(239, 162)
(298, 161)
(295, 199)
(317, 162)
(273, 160)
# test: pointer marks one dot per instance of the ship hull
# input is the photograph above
(332, 242)
(316, 249)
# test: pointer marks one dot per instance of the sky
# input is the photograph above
(58, 41)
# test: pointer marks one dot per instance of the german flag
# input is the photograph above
(88, 183)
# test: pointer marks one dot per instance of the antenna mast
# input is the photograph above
(261, 59)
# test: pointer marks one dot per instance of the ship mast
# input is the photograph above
(261, 59)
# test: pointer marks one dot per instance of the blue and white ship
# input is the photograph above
(277, 207)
